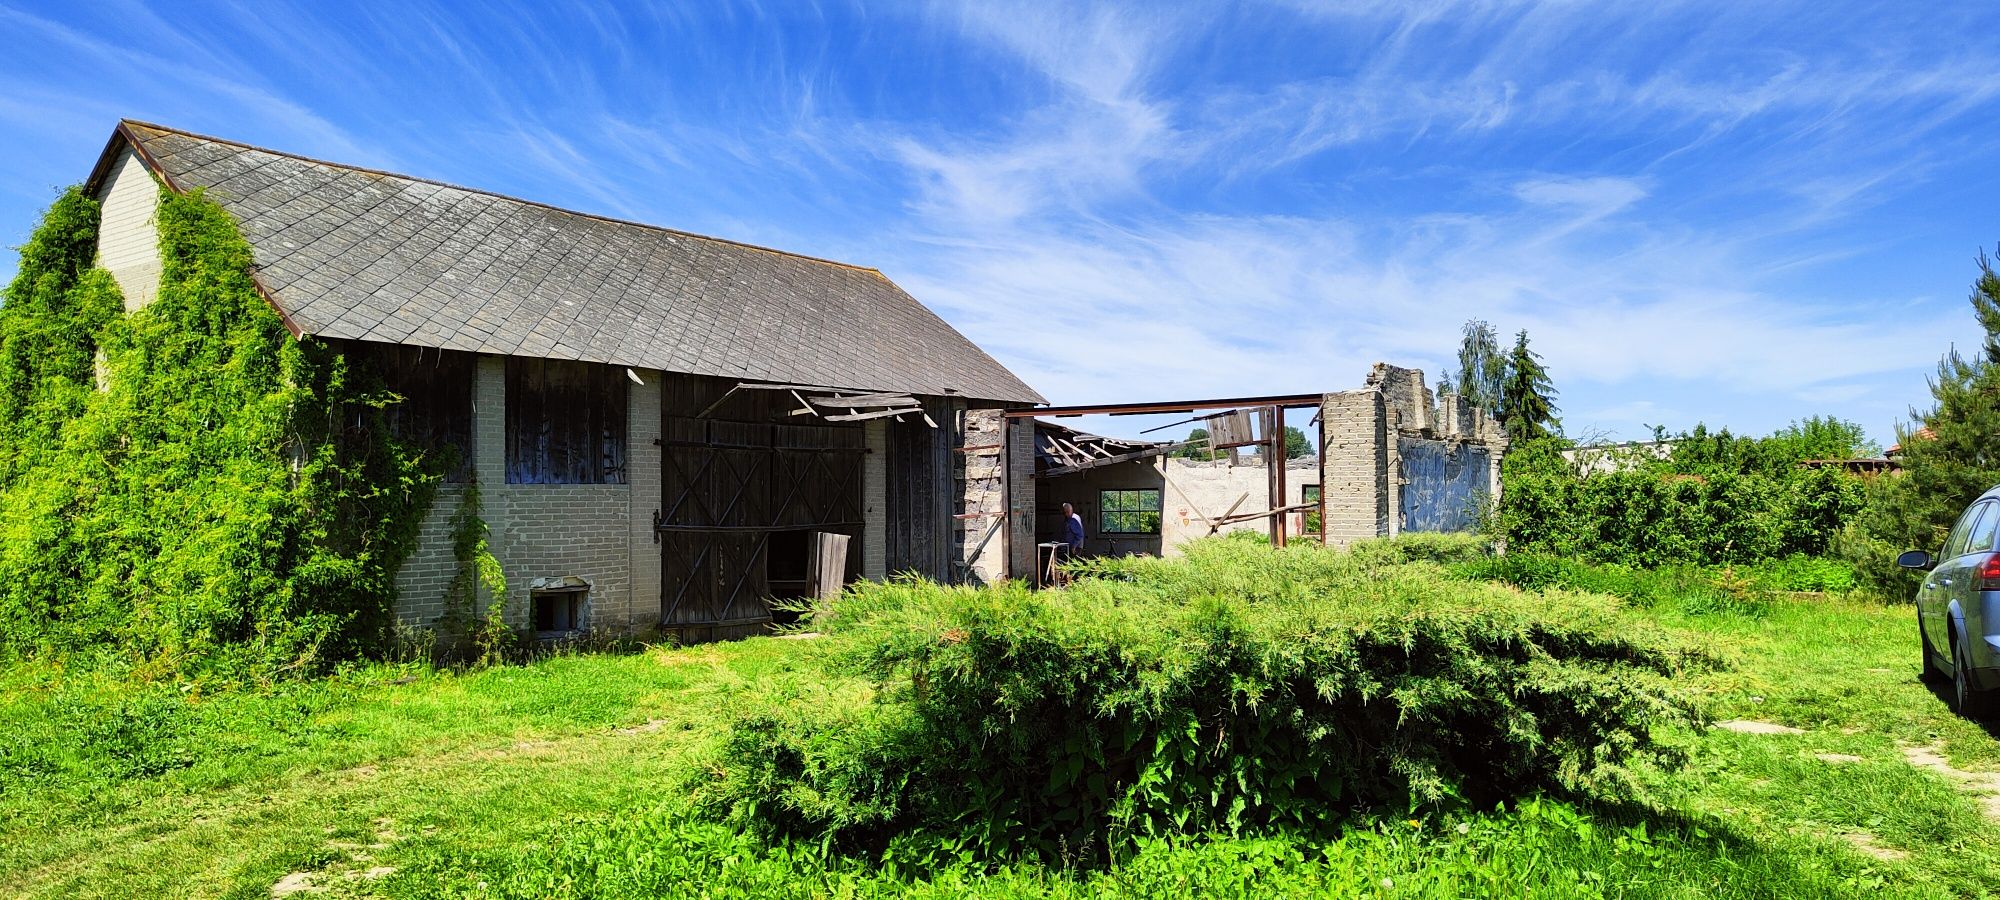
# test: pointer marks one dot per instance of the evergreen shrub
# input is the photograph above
(1238, 688)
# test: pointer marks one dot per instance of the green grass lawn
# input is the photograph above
(567, 777)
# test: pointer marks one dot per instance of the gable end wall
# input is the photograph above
(128, 239)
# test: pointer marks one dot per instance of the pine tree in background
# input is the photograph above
(1949, 455)
(1481, 366)
(1296, 445)
(1527, 399)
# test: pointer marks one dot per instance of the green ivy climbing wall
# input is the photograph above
(187, 490)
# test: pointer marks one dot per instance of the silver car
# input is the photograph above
(1958, 608)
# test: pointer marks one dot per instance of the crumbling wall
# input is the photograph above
(1455, 450)
(1404, 393)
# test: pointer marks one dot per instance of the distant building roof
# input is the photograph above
(1922, 434)
(357, 254)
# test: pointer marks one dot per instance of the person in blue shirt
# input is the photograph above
(1072, 529)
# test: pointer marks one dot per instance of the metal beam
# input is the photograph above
(1288, 401)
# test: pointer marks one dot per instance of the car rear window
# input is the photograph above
(1982, 532)
(1961, 534)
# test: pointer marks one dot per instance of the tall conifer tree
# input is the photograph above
(1527, 406)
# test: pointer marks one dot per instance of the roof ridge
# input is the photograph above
(508, 197)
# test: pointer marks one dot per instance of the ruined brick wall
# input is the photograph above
(979, 545)
(1355, 483)
(1404, 393)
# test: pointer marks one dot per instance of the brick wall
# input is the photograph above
(128, 240)
(1355, 466)
(548, 534)
(421, 583)
(642, 461)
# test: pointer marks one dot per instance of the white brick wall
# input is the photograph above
(128, 238)
(548, 532)
(642, 460)
(427, 574)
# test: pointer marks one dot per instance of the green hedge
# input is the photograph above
(1654, 515)
(1238, 688)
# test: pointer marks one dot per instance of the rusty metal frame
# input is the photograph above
(1286, 401)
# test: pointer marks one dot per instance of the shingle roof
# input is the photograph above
(357, 254)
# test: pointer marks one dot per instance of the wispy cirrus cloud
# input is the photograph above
(1737, 212)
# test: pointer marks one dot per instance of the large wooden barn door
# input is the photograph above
(920, 493)
(729, 491)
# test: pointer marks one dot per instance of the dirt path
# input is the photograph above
(1984, 785)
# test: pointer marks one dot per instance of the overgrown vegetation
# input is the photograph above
(563, 777)
(1236, 690)
(1949, 456)
(226, 503)
(1713, 499)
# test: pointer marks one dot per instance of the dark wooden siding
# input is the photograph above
(921, 497)
(565, 422)
(731, 481)
(435, 409)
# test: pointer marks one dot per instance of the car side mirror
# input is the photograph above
(1915, 559)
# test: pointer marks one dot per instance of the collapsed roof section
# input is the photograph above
(1061, 450)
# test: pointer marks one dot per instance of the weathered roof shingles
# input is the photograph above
(362, 255)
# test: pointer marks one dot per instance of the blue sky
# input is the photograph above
(1738, 213)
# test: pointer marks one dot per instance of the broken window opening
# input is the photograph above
(558, 611)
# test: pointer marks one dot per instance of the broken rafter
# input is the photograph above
(871, 414)
(862, 400)
(1113, 460)
(1251, 516)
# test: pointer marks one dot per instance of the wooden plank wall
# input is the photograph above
(436, 386)
(565, 422)
(747, 465)
(922, 491)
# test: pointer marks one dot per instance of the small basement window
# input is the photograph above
(1129, 511)
(558, 611)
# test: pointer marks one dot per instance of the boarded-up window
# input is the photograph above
(435, 412)
(565, 422)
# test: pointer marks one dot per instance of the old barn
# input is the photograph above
(666, 429)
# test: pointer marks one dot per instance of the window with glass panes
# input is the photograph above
(1133, 511)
